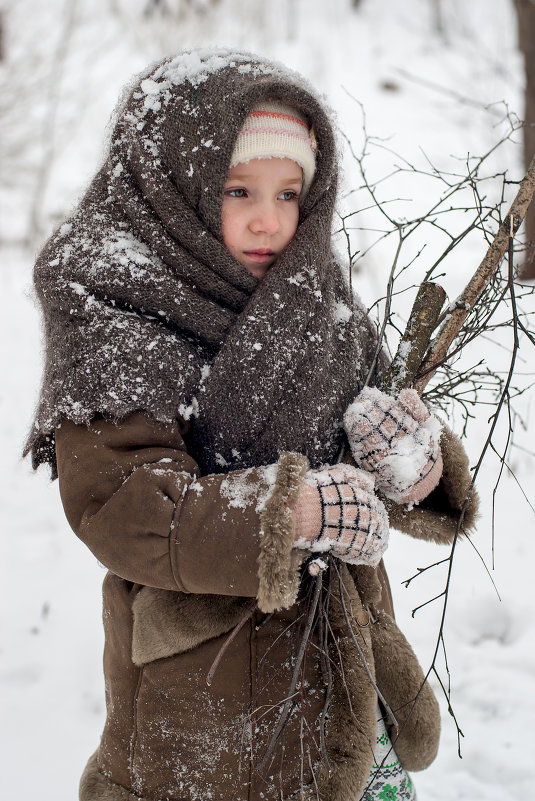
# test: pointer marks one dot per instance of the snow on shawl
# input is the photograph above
(145, 309)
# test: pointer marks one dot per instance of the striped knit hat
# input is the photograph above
(274, 130)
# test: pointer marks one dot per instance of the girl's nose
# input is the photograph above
(264, 220)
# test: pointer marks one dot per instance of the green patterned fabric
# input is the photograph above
(388, 780)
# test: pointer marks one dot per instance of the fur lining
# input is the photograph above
(352, 725)
(168, 622)
(437, 518)
(403, 684)
(279, 562)
(367, 582)
(456, 477)
(94, 786)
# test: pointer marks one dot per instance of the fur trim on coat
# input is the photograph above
(95, 786)
(351, 728)
(407, 692)
(168, 623)
(279, 562)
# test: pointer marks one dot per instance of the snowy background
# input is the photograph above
(426, 84)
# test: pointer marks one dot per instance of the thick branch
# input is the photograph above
(415, 340)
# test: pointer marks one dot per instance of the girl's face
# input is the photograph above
(261, 211)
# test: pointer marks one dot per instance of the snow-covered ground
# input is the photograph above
(421, 90)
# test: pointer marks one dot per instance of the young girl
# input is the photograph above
(204, 354)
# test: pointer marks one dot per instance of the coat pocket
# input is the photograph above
(168, 623)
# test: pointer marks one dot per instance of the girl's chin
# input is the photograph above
(256, 269)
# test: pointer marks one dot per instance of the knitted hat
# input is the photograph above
(274, 130)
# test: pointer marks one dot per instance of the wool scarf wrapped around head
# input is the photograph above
(145, 308)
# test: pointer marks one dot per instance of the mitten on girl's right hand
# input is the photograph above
(337, 511)
(397, 440)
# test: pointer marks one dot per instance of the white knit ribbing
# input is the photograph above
(274, 130)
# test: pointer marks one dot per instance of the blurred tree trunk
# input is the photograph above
(525, 10)
(155, 5)
(438, 17)
(163, 7)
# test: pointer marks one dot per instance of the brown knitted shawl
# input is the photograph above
(145, 309)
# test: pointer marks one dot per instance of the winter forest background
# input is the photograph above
(433, 86)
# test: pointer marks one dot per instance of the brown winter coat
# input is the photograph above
(186, 555)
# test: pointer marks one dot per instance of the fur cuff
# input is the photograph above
(279, 562)
(438, 517)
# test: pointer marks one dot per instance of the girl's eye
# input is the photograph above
(289, 195)
(236, 192)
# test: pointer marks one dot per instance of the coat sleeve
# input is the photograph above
(135, 496)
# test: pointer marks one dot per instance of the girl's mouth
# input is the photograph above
(260, 255)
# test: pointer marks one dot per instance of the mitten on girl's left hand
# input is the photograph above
(397, 440)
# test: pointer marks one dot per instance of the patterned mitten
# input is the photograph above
(397, 440)
(338, 511)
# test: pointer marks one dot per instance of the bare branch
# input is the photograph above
(484, 273)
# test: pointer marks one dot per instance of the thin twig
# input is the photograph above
(362, 657)
(326, 670)
(421, 570)
(288, 703)
(230, 638)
